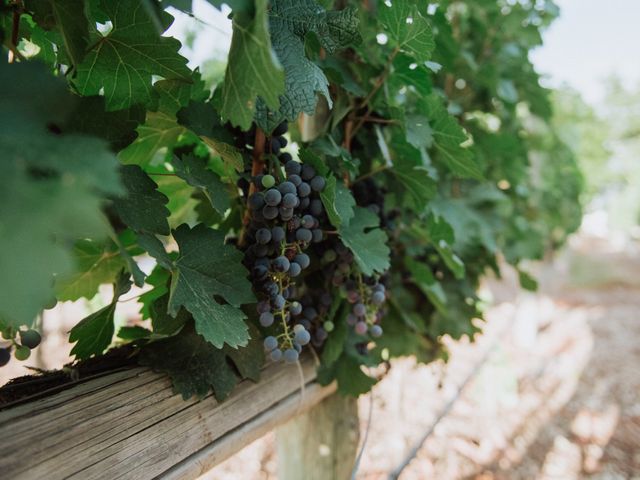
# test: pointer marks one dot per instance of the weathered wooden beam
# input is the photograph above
(130, 424)
(321, 444)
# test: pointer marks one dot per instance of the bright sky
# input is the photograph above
(591, 40)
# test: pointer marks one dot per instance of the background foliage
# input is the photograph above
(115, 149)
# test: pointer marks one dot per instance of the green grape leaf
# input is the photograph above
(156, 139)
(202, 119)
(442, 236)
(289, 22)
(122, 62)
(423, 278)
(69, 18)
(527, 281)
(194, 171)
(250, 359)
(367, 242)
(193, 364)
(205, 273)
(253, 70)
(133, 333)
(159, 280)
(116, 127)
(409, 30)
(96, 264)
(93, 334)
(415, 179)
(143, 208)
(161, 321)
(448, 136)
(352, 381)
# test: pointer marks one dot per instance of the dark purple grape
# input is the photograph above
(308, 172)
(375, 331)
(290, 355)
(303, 235)
(270, 343)
(317, 183)
(352, 319)
(285, 157)
(281, 264)
(294, 269)
(281, 129)
(272, 197)
(286, 214)
(278, 302)
(293, 168)
(270, 212)
(295, 179)
(275, 145)
(302, 337)
(290, 200)
(304, 203)
(282, 141)
(277, 234)
(302, 259)
(263, 236)
(378, 298)
(359, 309)
(304, 189)
(286, 187)
(266, 319)
(276, 355)
(260, 271)
(308, 221)
(316, 235)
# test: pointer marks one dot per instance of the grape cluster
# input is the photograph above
(367, 295)
(285, 219)
(29, 339)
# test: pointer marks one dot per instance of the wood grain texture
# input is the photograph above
(130, 424)
(321, 444)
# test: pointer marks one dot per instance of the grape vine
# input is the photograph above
(340, 190)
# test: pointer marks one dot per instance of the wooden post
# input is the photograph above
(322, 443)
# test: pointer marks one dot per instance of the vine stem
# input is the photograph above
(366, 101)
(257, 165)
(15, 33)
(371, 173)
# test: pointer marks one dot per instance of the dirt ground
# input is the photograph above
(557, 397)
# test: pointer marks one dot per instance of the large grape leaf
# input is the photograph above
(289, 22)
(195, 366)
(122, 62)
(52, 189)
(448, 137)
(367, 241)
(143, 207)
(96, 264)
(206, 274)
(69, 18)
(93, 334)
(253, 69)
(409, 30)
